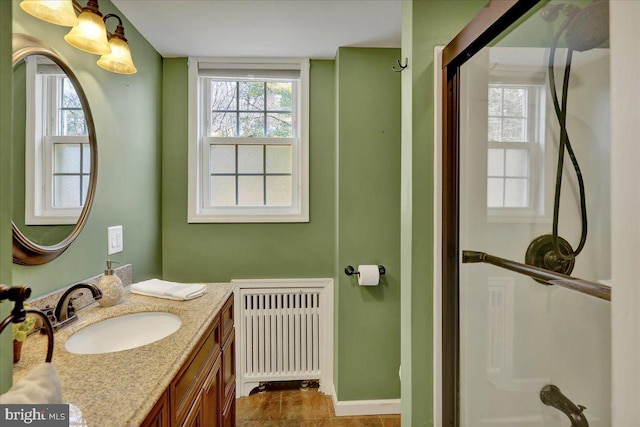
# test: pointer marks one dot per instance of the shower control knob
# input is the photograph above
(541, 253)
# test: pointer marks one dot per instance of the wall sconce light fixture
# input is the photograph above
(119, 60)
(89, 32)
(59, 12)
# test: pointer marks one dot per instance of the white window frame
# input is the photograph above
(198, 175)
(40, 122)
(536, 99)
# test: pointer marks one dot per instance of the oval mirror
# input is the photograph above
(55, 155)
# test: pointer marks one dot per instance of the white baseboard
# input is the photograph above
(365, 407)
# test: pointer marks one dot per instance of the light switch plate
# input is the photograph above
(114, 240)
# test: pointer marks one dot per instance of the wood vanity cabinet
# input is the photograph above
(202, 394)
(159, 415)
(228, 408)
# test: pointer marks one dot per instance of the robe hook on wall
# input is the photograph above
(402, 67)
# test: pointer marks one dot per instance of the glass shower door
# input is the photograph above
(532, 354)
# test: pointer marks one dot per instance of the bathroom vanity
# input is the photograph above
(203, 391)
(185, 379)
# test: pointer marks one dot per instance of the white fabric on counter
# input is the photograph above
(168, 290)
(40, 386)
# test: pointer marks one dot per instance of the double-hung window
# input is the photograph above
(514, 156)
(248, 143)
(58, 158)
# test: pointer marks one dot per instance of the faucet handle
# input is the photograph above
(71, 309)
(582, 408)
(49, 311)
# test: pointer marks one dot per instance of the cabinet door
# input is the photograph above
(229, 412)
(194, 417)
(212, 396)
(226, 318)
(159, 415)
(229, 365)
(188, 382)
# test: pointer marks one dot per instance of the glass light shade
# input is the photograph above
(119, 60)
(59, 12)
(90, 34)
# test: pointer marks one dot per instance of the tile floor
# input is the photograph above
(300, 408)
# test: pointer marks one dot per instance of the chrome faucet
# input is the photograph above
(65, 312)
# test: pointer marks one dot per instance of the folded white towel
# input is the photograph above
(169, 290)
(40, 386)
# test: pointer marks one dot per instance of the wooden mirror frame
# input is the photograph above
(26, 252)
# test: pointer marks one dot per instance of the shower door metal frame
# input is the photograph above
(492, 20)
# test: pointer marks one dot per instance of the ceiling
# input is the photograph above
(264, 28)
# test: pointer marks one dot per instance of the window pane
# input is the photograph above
(251, 95)
(495, 129)
(495, 162)
(72, 123)
(66, 191)
(86, 158)
(222, 190)
(251, 191)
(69, 97)
(495, 101)
(250, 159)
(513, 130)
(224, 124)
(279, 125)
(515, 193)
(495, 190)
(278, 190)
(85, 188)
(279, 96)
(252, 124)
(223, 95)
(515, 102)
(278, 159)
(66, 158)
(517, 163)
(222, 159)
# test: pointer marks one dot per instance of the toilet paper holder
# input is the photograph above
(350, 271)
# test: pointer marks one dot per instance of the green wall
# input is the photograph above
(221, 252)
(6, 349)
(368, 212)
(354, 213)
(127, 113)
(425, 25)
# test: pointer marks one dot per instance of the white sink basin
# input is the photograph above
(123, 332)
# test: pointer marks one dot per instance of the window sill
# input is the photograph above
(280, 218)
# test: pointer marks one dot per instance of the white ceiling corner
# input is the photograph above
(264, 28)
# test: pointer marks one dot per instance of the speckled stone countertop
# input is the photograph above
(119, 389)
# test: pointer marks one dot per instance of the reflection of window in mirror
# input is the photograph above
(515, 148)
(58, 157)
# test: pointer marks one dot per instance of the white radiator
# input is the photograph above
(281, 331)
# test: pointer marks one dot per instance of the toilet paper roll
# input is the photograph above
(369, 275)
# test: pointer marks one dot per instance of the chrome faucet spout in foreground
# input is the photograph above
(65, 312)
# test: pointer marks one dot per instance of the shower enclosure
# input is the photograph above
(526, 217)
